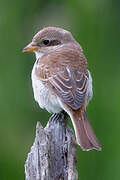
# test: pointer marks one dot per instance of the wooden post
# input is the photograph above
(53, 154)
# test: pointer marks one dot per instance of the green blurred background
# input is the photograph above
(96, 26)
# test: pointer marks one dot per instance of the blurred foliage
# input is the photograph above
(95, 25)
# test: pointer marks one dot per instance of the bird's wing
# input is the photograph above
(66, 75)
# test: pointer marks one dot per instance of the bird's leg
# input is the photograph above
(59, 118)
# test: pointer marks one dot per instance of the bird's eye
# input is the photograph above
(46, 42)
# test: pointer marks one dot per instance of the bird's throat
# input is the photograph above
(38, 55)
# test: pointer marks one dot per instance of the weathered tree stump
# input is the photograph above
(53, 154)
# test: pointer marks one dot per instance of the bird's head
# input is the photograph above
(48, 39)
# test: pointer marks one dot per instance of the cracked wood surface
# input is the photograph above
(53, 154)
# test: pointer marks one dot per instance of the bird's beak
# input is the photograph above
(30, 47)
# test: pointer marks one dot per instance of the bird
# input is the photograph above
(61, 80)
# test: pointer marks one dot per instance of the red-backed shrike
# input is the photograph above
(61, 80)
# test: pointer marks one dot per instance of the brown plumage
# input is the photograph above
(66, 78)
(63, 71)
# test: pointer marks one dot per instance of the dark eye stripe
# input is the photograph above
(49, 43)
(54, 42)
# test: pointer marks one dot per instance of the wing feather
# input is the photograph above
(65, 72)
(71, 90)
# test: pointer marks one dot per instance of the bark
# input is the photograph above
(53, 154)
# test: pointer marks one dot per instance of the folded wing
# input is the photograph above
(69, 87)
(66, 78)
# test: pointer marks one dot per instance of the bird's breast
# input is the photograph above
(45, 98)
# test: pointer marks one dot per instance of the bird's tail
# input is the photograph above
(83, 130)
